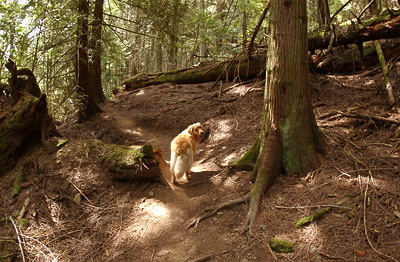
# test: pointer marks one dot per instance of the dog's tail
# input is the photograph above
(180, 166)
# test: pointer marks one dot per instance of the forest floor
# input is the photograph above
(122, 220)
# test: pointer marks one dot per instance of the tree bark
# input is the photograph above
(23, 124)
(290, 138)
(88, 105)
(15, 94)
(95, 48)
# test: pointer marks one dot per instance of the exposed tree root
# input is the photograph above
(267, 170)
(212, 211)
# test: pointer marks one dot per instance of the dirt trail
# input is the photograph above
(167, 211)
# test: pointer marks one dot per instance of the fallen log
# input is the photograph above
(385, 26)
(133, 162)
(242, 68)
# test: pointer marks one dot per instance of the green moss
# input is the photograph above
(24, 223)
(248, 160)
(20, 177)
(118, 158)
(16, 121)
(62, 143)
(281, 246)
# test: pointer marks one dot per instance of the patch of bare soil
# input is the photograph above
(79, 212)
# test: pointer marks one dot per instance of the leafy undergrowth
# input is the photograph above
(78, 212)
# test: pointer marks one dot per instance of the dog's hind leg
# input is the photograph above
(189, 163)
(172, 167)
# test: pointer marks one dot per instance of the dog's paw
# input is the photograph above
(173, 180)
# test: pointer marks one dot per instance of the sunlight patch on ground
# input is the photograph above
(241, 90)
(235, 155)
(150, 219)
(223, 130)
(310, 234)
(141, 92)
(370, 83)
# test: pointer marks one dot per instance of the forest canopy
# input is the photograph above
(141, 37)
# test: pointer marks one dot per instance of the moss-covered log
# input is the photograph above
(385, 26)
(243, 68)
(134, 162)
(21, 125)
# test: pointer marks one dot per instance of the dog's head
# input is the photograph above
(196, 130)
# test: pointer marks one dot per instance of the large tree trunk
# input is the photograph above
(290, 138)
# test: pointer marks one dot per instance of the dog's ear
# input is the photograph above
(191, 129)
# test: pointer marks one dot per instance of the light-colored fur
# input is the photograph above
(183, 148)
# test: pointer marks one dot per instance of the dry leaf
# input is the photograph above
(397, 213)
(360, 252)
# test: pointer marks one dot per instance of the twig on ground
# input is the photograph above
(206, 257)
(366, 230)
(369, 117)
(212, 211)
(331, 257)
(81, 193)
(306, 220)
(272, 252)
(19, 239)
(23, 210)
(315, 206)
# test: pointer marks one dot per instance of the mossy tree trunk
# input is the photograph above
(289, 136)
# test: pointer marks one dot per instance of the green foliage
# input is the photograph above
(138, 36)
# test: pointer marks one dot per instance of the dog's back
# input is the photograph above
(183, 148)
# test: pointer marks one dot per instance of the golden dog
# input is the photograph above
(183, 148)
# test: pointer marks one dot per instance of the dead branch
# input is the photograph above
(306, 220)
(369, 117)
(212, 211)
(257, 28)
(206, 257)
(366, 229)
(340, 9)
(382, 61)
(19, 239)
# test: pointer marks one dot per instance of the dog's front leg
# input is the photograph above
(173, 178)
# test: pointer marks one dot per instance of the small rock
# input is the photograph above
(163, 253)
(78, 199)
(263, 227)
(245, 260)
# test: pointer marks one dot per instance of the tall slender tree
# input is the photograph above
(88, 104)
(95, 47)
